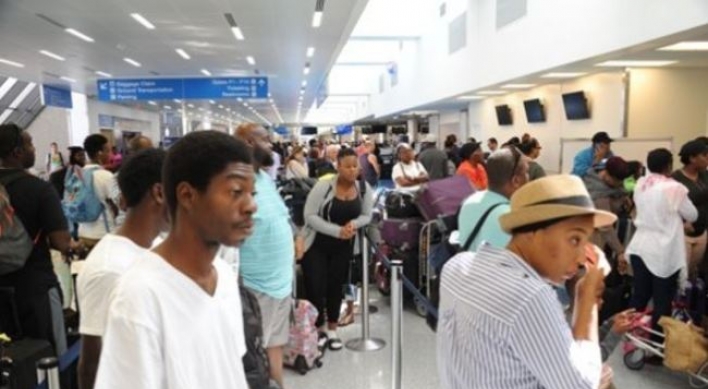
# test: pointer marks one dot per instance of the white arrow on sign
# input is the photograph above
(261, 82)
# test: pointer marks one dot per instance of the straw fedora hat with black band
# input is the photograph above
(549, 198)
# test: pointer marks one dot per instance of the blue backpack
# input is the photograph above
(81, 203)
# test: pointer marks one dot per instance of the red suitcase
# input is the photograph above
(443, 197)
(401, 234)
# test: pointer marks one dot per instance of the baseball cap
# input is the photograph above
(693, 148)
(601, 137)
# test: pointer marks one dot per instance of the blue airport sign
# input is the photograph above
(57, 96)
(182, 88)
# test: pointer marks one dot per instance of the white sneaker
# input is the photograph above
(335, 343)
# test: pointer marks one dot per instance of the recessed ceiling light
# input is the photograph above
(190, 105)
(302, 92)
(310, 52)
(304, 83)
(250, 60)
(518, 86)
(317, 19)
(79, 35)
(470, 97)
(687, 46)
(11, 63)
(563, 75)
(220, 106)
(152, 102)
(206, 72)
(635, 63)
(492, 92)
(237, 33)
(239, 99)
(68, 79)
(178, 101)
(306, 71)
(103, 74)
(52, 55)
(141, 19)
(132, 62)
(167, 107)
(183, 54)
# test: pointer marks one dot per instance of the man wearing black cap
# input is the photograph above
(591, 156)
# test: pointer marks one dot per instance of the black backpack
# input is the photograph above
(255, 362)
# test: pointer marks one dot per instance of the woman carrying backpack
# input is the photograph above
(335, 210)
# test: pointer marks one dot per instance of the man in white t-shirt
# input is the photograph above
(175, 319)
(141, 189)
(408, 173)
(98, 151)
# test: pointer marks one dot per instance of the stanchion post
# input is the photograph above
(48, 369)
(365, 343)
(396, 323)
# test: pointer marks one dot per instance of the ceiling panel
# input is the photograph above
(277, 34)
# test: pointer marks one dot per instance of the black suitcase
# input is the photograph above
(19, 363)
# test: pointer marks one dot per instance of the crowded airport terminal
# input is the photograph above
(353, 194)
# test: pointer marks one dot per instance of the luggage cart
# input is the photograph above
(638, 345)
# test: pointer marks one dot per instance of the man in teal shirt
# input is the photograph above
(508, 170)
(267, 256)
(589, 157)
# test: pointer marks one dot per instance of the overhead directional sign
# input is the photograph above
(57, 96)
(182, 88)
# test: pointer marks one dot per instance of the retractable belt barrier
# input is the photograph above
(48, 369)
(408, 284)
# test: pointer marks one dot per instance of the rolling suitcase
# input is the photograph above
(18, 364)
(401, 205)
(443, 197)
(401, 234)
(302, 352)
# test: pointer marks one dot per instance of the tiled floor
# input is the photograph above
(346, 369)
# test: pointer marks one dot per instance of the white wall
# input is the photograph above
(605, 93)
(51, 125)
(96, 107)
(668, 103)
(552, 34)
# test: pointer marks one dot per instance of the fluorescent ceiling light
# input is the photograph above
(178, 101)
(52, 55)
(237, 33)
(167, 107)
(140, 19)
(220, 106)
(190, 105)
(518, 86)
(132, 62)
(250, 60)
(687, 46)
(310, 52)
(68, 79)
(563, 75)
(183, 54)
(103, 74)
(152, 102)
(317, 19)
(206, 72)
(302, 92)
(306, 71)
(635, 63)
(471, 97)
(492, 92)
(239, 99)
(79, 35)
(304, 83)
(11, 63)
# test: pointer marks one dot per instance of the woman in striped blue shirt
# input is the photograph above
(501, 325)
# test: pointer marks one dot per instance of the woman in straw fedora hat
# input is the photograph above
(501, 325)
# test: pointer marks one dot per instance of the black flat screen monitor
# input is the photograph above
(576, 106)
(534, 111)
(378, 129)
(308, 131)
(504, 115)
